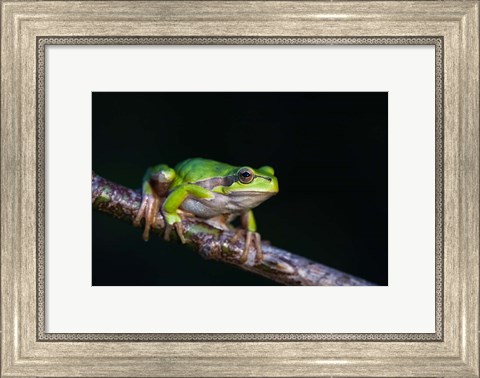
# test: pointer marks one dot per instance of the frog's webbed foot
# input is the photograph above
(149, 210)
(249, 237)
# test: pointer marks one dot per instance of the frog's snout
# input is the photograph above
(274, 184)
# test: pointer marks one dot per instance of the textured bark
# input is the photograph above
(278, 265)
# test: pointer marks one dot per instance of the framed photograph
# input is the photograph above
(285, 127)
(218, 188)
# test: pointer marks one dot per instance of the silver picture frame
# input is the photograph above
(28, 27)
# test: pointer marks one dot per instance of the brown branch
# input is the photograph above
(278, 265)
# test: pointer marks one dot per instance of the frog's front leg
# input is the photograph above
(156, 182)
(249, 228)
(174, 201)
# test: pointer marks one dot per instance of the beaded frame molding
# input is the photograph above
(437, 42)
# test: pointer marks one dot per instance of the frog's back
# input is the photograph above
(198, 169)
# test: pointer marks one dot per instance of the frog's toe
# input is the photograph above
(258, 247)
(249, 237)
(168, 231)
(173, 220)
(149, 209)
(238, 234)
(180, 231)
(178, 228)
(140, 213)
(248, 240)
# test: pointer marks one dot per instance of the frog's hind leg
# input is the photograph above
(156, 183)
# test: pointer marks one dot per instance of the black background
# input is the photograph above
(329, 151)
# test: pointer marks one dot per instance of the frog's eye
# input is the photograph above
(245, 175)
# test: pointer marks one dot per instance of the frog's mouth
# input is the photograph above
(251, 193)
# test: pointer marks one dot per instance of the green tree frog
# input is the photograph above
(208, 189)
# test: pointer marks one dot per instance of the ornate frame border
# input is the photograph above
(42, 42)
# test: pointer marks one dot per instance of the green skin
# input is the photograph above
(209, 190)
